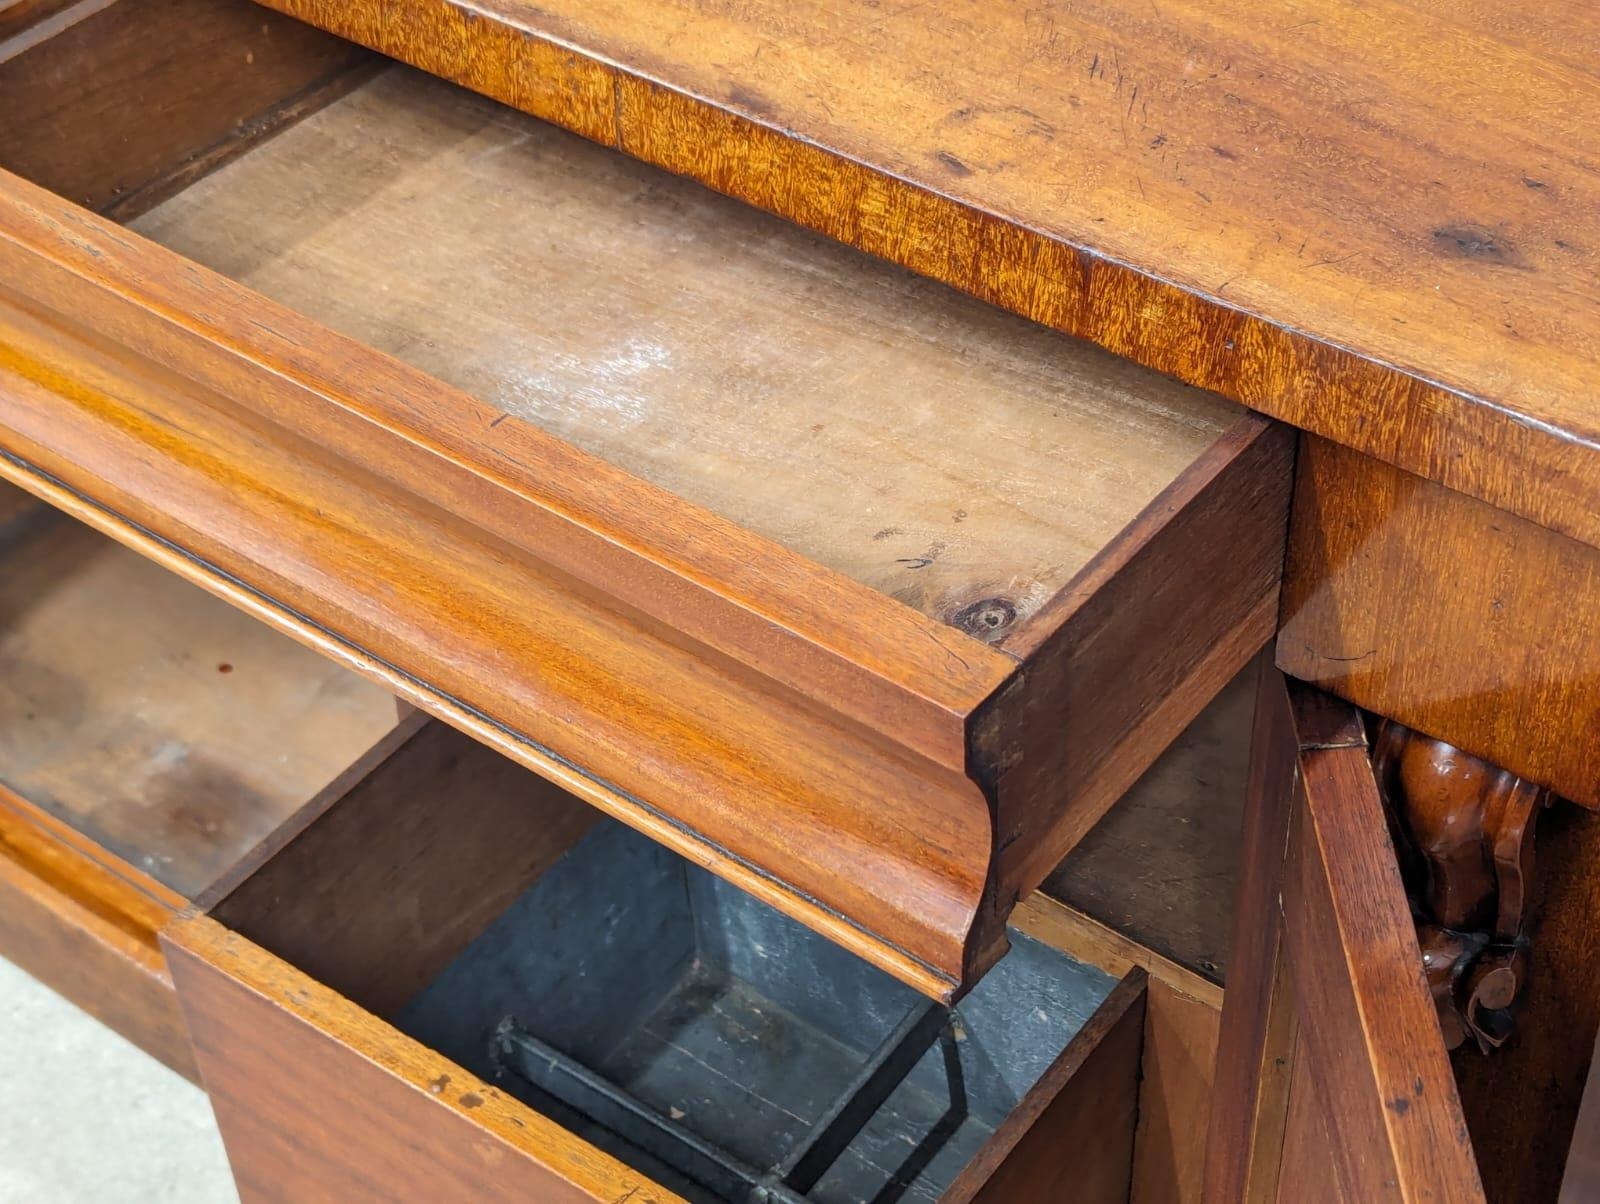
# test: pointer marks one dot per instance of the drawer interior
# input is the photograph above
(959, 459)
(164, 725)
(717, 1036)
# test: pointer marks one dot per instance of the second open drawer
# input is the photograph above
(452, 980)
(863, 595)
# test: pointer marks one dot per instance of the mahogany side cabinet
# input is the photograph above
(813, 600)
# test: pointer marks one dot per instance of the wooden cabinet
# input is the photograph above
(820, 502)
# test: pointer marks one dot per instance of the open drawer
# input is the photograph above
(459, 981)
(865, 596)
(150, 737)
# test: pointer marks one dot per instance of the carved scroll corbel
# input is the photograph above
(1464, 831)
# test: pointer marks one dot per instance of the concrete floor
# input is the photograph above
(87, 1118)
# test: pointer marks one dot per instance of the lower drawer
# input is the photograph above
(457, 981)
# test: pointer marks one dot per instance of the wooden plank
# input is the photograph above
(943, 453)
(1277, 202)
(107, 99)
(395, 874)
(85, 924)
(320, 1102)
(166, 726)
(1087, 1100)
(1142, 640)
(1246, 1123)
(1369, 1035)
(1454, 618)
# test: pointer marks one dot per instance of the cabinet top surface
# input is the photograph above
(1413, 182)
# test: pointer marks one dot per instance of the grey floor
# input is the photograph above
(87, 1117)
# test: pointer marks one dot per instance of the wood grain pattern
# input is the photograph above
(1063, 744)
(393, 875)
(1368, 1040)
(657, 660)
(920, 442)
(1452, 617)
(84, 924)
(672, 741)
(320, 1102)
(164, 725)
(105, 99)
(1277, 202)
(1088, 1099)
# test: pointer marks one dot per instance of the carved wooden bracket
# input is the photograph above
(1463, 829)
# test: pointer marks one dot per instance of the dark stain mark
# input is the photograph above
(1158, 142)
(954, 164)
(885, 533)
(1561, 244)
(1475, 242)
(1400, 1105)
(498, 421)
(224, 667)
(1530, 182)
(1223, 152)
(751, 102)
(817, 428)
(916, 562)
(959, 516)
(987, 618)
(472, 1100)
(438, 1085)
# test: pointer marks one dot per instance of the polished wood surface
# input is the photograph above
(1366, 1037)
(1281, 202)
(318, 1101)
(1465, 831)
(111, 102)
(84, 923)
(1089, 1099)
(164, 725)
(1456, 619)
(951, 456)
(663, 663)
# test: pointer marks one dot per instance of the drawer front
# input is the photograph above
(314, 992)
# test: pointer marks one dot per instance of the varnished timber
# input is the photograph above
(662, 663)
(106, 101)
(162, 724)
(1367, 1043)
(953, 457)
(1089, 1098)
(318, 1101)
(1281, 202)
(1459, 620)
(84, 923)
